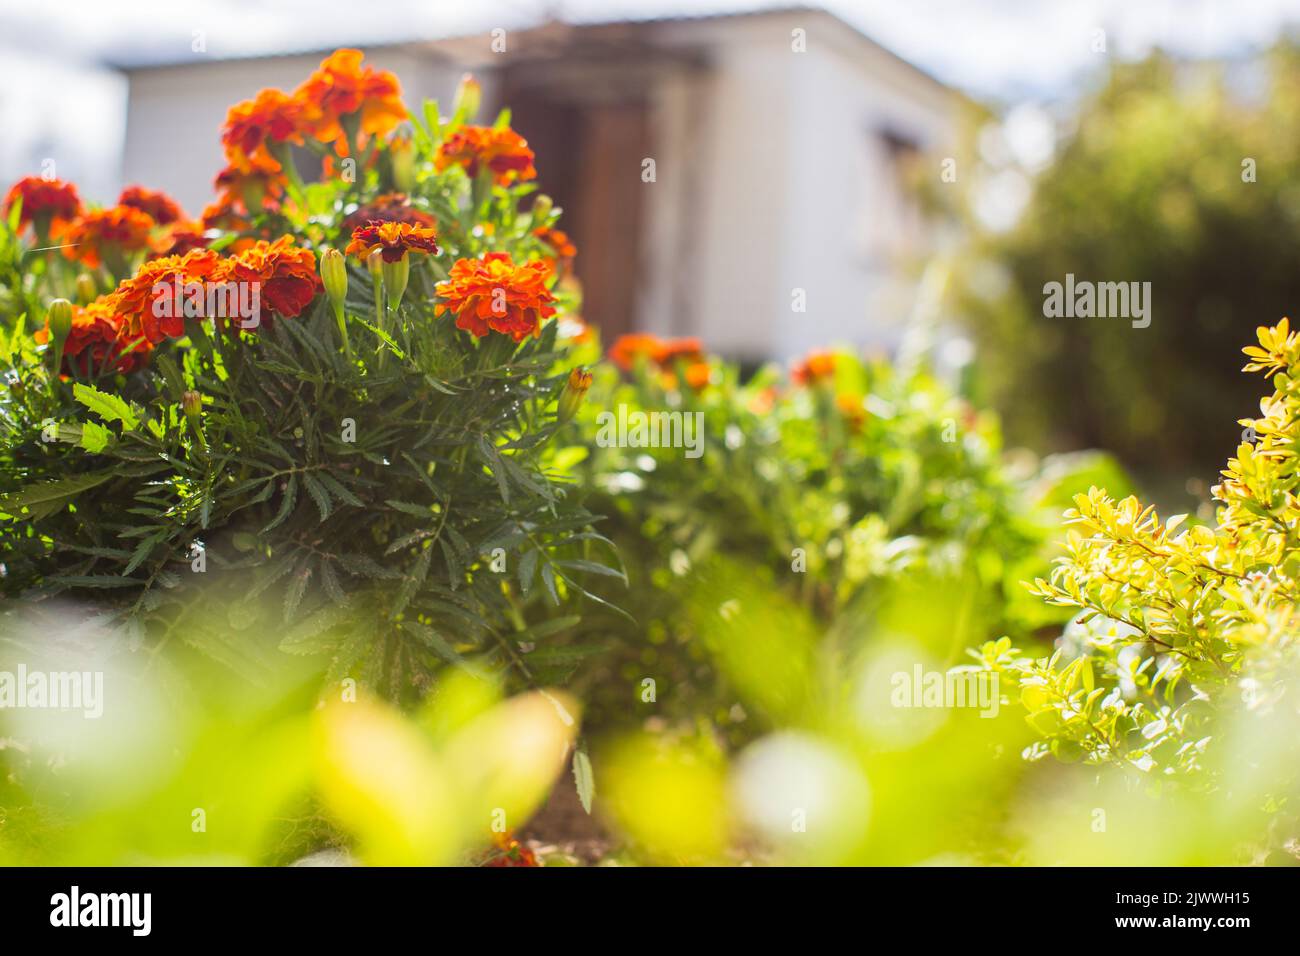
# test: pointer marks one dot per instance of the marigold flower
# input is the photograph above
(511, 852)
(254, 127)
(161, 208)
(851, 407)
(561, 244)
(287, 274)
(251, 183)
(503, 151)
(495, 294)
(680, 350)
(574, 391)
(628, 348)
(179, 238)
(97, 341)
(44, 201)
(340, 88)
(815, 367)
(115, 232)
(134, 302)
(666, 355)
(390, 207)
(393, 239)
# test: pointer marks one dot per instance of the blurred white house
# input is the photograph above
(781, 142)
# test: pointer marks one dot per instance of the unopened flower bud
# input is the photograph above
(59, 320)
(86, 290)
(253, 192)
(401, 156)
(468, 96)
(192, 405)
(575, 390)
(542, 206)
(396, 275)
(334, 275)
(59, 317)
(375, 263)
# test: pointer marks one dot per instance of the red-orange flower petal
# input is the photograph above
(503, 151)
(395, 239)
(160, 207)
(48, 199)
(121, 228)
(495, 294)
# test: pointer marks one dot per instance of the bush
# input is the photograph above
(865, 494)
(1179, 667)
(340, 458)
(1128, 197)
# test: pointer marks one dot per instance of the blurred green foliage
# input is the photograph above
(1150, 184)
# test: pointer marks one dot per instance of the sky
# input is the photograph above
(57, 96)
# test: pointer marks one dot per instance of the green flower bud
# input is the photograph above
(575, 390)
(401, 157)
(59, 317)
(86, 290)
(468, 96)
(334, 274)
(192, 405)
(396, 275)
(59, 320)
(542, 207)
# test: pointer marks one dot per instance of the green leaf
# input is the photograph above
(583, 779)
(318, 495)
(111, 408)
(94, 437)
(45, 499)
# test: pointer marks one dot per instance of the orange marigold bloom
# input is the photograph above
(628, 348)
(698, 375)
(390, 207)
(120, 229)
(511, 852)
(558, 240)
(97, 342)
(675, 350)
(135, 302)
(254, 184)
(852, 409)
(814, 367)
(271, 117)
(161, 208)
(287, 274)
(43, 199)
(342, 87)
(495, 294)
(395, 239)
(179, 238)
(503, 151)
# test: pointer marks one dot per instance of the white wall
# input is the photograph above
(798, 192)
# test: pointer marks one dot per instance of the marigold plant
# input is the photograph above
(241, 415)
